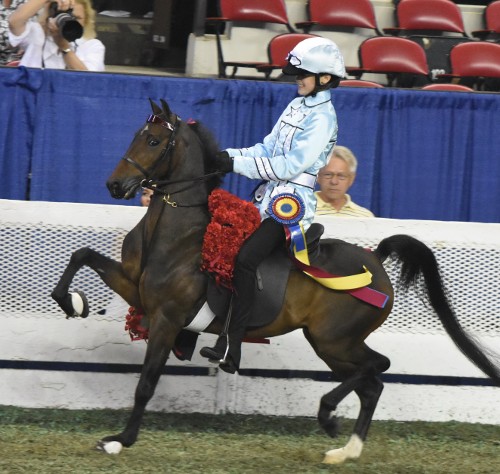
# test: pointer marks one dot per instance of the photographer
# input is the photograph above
(63, 36)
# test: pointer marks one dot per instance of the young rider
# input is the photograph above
(288, 160)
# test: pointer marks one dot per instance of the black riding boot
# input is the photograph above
(227, 349)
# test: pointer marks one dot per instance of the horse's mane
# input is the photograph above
(210, 148)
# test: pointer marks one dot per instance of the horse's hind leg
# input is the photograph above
(368, 390)
(110, 271)
(358, 369)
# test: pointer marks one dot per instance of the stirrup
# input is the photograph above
(228, 365)
(217, 353)
(211, 354)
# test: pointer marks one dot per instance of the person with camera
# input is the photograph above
(57, 35)
(8, 54)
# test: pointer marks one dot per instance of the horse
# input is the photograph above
(160, 273)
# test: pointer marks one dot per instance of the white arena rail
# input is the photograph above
(48, 361)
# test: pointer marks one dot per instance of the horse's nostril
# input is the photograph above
(113, 187)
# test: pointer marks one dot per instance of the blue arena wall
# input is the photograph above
(422, 154)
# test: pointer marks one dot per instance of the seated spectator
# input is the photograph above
(8, 54)
(146, 197)
(334, 181)
(43, 42)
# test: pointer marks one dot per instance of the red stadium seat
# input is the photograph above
(447, 87)
(391, 56)
(340, 14)
(427, 17)
(278, 49)
(492, 23)
(248, 13)
(476, 61)
(360, 83)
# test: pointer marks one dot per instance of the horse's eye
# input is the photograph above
(153, 141)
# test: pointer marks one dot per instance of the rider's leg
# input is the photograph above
(259, 245)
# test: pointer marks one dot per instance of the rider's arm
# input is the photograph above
(308, 146)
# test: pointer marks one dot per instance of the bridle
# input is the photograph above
(155, 185)
(153, 118)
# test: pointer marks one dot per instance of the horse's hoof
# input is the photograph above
(109, 447)
(352, 450)
(80, 304)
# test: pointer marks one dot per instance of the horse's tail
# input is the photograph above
(419, 261)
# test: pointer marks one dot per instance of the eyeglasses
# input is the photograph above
(339, 176)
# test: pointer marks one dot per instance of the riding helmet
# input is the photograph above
(315, 56)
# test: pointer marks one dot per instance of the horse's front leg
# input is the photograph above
(159, 346)
(110, 271)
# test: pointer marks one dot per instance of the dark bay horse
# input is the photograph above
(160, 273)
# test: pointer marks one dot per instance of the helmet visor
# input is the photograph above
(292, 68)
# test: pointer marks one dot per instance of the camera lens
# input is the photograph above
(69, 27)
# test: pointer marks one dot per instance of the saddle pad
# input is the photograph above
(270, 284)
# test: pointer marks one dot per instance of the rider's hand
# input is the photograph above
(223, 162)
(53, 29)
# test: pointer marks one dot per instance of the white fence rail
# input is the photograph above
(48, 361)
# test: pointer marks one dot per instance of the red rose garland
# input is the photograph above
(133, 321)
(233, 221)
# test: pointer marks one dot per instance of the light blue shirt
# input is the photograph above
(290, 157)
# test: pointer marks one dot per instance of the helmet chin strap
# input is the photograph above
(318, 87)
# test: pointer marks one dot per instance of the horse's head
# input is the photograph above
(150, 154)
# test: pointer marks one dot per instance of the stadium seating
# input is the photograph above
(492, 23)
(339, 14)
(359, 83)
(391, 56)
(475, 62)
(429, 17)
(246, 13)
(447, 87)
(278, 49)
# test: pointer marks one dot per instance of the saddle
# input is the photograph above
(271, 280)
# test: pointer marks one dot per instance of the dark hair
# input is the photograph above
(331, 84)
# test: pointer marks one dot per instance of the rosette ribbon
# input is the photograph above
(288, 209)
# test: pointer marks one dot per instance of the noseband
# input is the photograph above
(170, 144)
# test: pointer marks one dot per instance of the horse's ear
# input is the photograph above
(156, 108)
(166, 108)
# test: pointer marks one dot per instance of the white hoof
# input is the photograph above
(111, 447)
(352, 450)
(80, 304)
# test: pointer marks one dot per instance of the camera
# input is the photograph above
(68, 25)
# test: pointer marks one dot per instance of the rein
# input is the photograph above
(154, 185)
(150, 183)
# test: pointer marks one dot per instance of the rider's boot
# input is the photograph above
(227, 349)
(216, 353)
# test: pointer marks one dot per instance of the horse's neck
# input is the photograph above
(172, 225)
